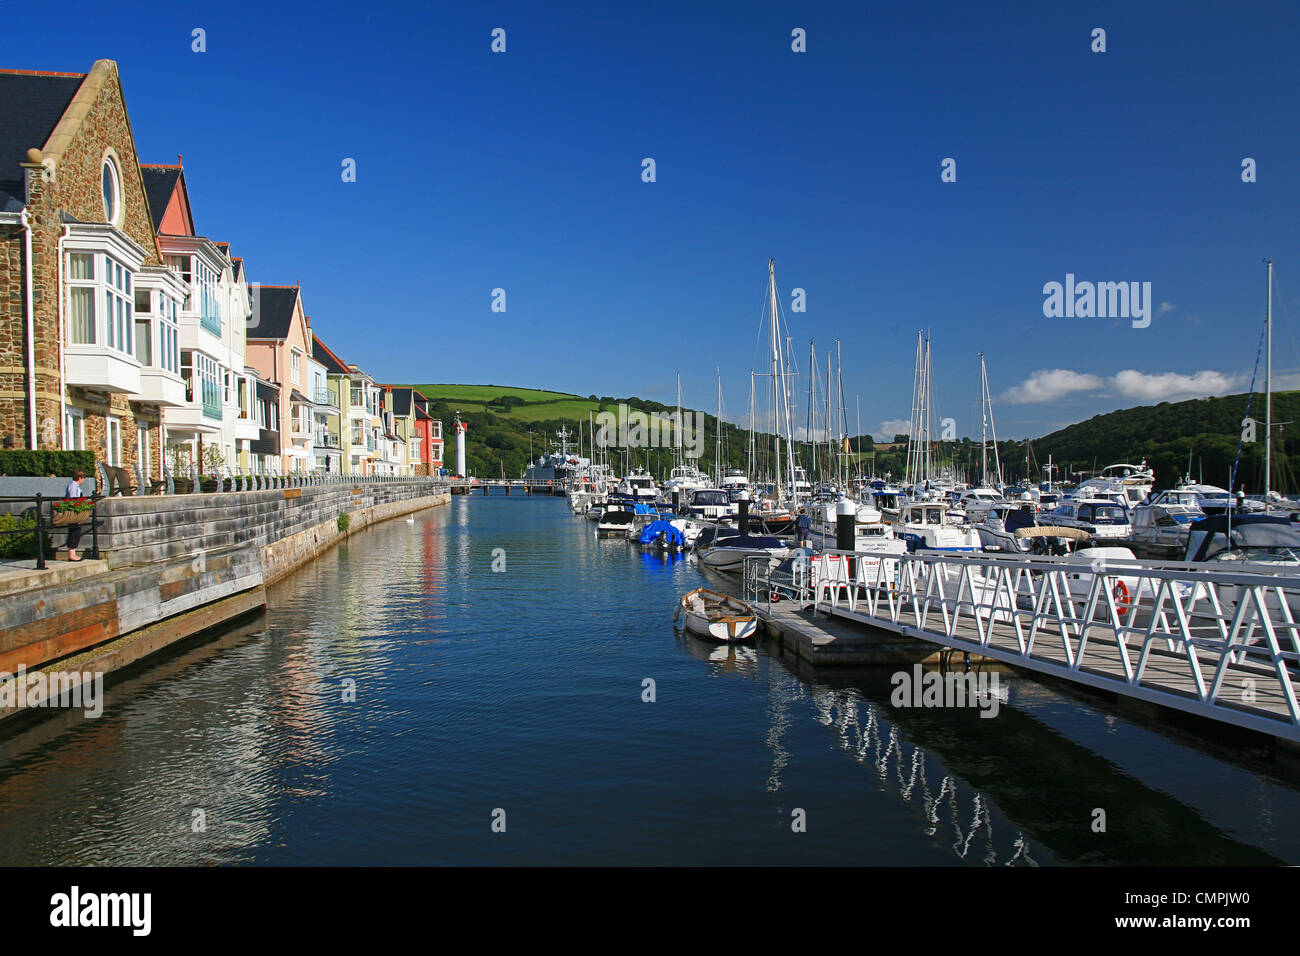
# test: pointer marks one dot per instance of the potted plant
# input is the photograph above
(72, 510)
(213, 462)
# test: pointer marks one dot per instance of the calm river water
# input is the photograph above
(520, 690)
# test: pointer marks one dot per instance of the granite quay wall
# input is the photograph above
(289, 525)
(177, 565)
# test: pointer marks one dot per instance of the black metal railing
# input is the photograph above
(43, 508)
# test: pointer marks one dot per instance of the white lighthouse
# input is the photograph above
(461, 428)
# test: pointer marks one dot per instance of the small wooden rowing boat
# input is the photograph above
(717, 616)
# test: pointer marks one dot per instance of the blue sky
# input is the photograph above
(522, 171)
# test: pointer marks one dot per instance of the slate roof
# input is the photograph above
(402, 401)
(159, 184)
(325, 355)
(31, 105)
(272, 311)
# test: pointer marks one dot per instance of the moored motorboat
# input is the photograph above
(725, 549)
(718, 616)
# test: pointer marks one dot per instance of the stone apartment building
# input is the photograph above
(126, 332)
(79, 256)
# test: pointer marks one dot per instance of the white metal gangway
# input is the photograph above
(1219, 644)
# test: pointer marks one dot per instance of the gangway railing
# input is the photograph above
(763, 584)
(1223, 644)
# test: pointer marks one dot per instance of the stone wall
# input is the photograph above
(143, 530)
(179, 564)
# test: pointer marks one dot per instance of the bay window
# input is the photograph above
(209, 307)
(101, 303)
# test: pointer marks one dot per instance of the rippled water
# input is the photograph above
(521, 690)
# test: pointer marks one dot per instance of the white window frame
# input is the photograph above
(113, 440)
(143, 448)
(74, 429)
(112, 299)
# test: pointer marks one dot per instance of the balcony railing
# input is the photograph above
(211, 399)
(209, 313)
(325, 397)
(327, 440)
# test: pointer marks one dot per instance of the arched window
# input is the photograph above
(112, 190)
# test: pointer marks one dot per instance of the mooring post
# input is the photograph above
(846, 527)
(40, 536)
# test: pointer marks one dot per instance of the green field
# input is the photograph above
(485, 393)
(537, 404)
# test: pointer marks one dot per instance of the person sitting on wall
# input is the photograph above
(74, 530)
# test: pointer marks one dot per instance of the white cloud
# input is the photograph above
(1173, 386)
(887, 430)
(1166, 307)
(1049, 384)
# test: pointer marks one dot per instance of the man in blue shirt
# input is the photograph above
(801, 525)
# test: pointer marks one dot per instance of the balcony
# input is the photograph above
(161, 387)
(326, 440)
(100, 367)
(246, 428)
(323, 396)
(190, 418)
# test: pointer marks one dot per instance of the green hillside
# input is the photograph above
(502, 417)
(521, 404)
(1164, 434)
(505, 423)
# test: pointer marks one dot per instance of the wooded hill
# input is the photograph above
(1162, 434)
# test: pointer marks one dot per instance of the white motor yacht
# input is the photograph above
(924, 526)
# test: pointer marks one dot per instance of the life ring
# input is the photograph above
(1123, 600)
(774, 597)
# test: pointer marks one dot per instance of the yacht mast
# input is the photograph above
(750, 474)
(776, 381)
(984, 429)
(812, 404)
(925, 379)
(842, 469)
(857, 458)
(677, 426)
(914, 423)
(717, 437)
(1268, 388)
(829, 474)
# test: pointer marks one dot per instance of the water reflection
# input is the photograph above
(477, 688)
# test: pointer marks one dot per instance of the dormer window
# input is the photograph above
(112, 191)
